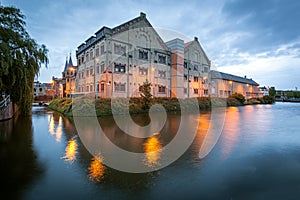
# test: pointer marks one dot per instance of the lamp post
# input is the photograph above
(231, 82)
(95, 86)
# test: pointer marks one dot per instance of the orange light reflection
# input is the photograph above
(96, 169)
(153, 149)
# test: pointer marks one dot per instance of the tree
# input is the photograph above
(146, 95)
(20, 58)
(272, 91)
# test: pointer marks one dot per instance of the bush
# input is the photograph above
(239, 97)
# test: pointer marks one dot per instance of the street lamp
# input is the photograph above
(95, 86)
(231, 83)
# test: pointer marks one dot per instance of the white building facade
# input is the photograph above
(116, 62)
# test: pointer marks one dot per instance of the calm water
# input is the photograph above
(256, 157)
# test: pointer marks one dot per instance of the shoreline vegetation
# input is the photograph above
(137, 104)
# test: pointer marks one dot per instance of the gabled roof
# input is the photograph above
(187, 44)
(221, 75)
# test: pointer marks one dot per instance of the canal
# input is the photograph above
(256, 157)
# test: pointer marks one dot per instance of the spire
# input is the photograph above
(70, 61)
(66, 65)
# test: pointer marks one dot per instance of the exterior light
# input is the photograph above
(230, 82)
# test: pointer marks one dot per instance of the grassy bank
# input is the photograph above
(136, 105)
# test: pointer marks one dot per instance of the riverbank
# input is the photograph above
(136, 105)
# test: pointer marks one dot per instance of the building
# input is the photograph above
(68, 78)
(39, 89)
(223, 85)
(115, 62)
(264, 90)
(57, 85)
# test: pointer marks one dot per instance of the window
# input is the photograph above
(196, 79)
(120, 68)
(120, 87)
(143, 71)
(221, 92)
(102, 68)
(91, 88)
(98, 69)
(185, 65)
(184, 90)
(82, 59)
(102, 87)
(102, 49)
(206, 69)
(91, 72)
(162, 74)
(206, 92)
(196, 91)
(120, 50)
(82, 75)
(87, 88)
(195, 67)
(185, 77)
(162, 89)
(162, 59)
(91, 55)
(87, 57)
(79, 61)
(87, 73)
(143, 55)
(140, 88)
(97, 51)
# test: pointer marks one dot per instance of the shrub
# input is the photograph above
(239, 97)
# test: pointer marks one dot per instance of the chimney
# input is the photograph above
(245, 76)
(195, 38)
(142, 14)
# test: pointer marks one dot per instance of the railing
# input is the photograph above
(4, 103)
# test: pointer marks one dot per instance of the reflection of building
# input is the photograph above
(68, 78)
(224, 85)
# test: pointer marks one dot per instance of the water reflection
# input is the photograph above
(153, 148)
(231, 131)
(96, 169)
(54, 128)
(71, 151)
(19, 166)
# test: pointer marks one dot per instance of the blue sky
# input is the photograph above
(260, 39)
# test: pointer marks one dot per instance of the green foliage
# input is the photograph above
(20, 60)
(293, 94)
(146, 95)
(239, 97)
(268, 99)
(272, 91)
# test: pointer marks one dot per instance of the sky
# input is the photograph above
(259, 39)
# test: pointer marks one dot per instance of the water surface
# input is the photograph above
(256, 157)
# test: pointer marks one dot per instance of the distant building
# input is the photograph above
(264, 90)
(57, 85)
(39, 89)
(68, 78)
(223, 85)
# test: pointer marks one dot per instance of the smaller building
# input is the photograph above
(264, 90)
(223, 85)
(39, 89)
(57, 85)
(68, 78)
